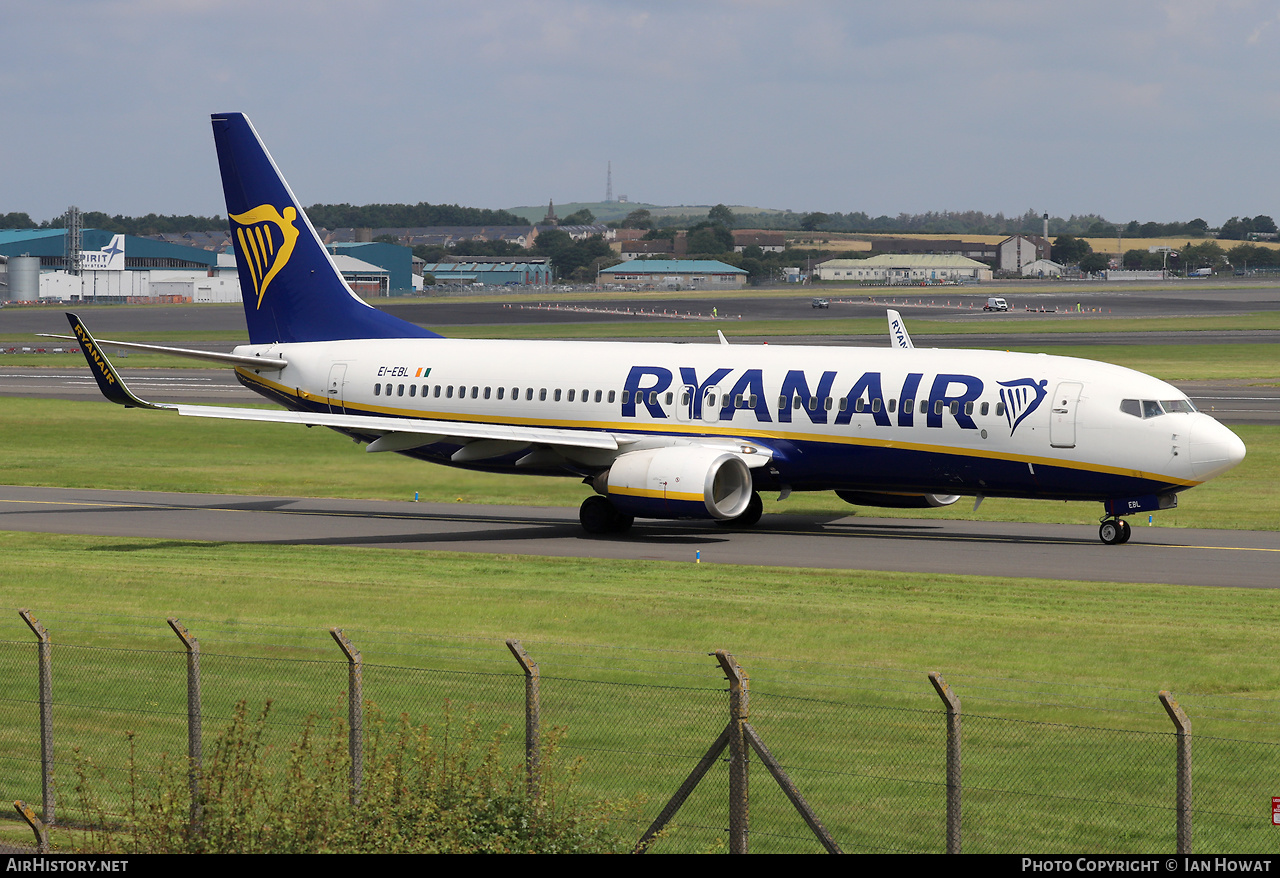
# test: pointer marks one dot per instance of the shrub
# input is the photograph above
(446, 792)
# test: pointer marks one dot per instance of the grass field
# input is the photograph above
(1058, 678)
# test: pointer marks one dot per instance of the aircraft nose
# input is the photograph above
(1213, 448)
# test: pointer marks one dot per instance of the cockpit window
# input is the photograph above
(1152, 408)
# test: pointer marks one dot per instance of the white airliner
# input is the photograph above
(684, 430)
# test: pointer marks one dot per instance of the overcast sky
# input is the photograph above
(1133, 109)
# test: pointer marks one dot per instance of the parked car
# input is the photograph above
(995, 303)
(820, 303)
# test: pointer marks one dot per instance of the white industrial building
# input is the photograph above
(904, 268)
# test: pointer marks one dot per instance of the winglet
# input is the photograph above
(109, 380)
(898, 335)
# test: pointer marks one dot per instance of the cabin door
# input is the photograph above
(337, 380)
(1062, 423)
(685, 397)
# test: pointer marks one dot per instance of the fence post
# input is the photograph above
(739, 775)
(1183, 726)
(46, 716)
(195, 749)
(532, 718)
(954, 784)
(42, 834)
(355, 711)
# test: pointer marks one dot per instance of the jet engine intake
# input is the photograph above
(678, 482)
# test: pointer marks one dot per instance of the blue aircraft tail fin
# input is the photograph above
(291, 289)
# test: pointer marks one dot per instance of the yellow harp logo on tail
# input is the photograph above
(266, 239)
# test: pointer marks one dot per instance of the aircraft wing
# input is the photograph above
(396, 434)
(400, 434)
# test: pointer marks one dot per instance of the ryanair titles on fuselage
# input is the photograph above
(948, 393)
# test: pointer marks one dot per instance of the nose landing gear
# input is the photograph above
(1114, 531)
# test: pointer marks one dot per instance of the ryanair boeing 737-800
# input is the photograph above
(684, 430)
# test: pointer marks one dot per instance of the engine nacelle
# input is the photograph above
(678, 482)
(897, 501)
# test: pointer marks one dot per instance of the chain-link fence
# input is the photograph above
(795, 757)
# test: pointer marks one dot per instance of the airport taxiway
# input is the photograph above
(1243, 559)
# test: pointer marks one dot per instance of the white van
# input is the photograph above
(995, 303)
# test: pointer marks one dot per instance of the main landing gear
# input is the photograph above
(1114, 531)
(598, 515)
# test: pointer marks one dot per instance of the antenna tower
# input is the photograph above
(608, 186)
(71, 241)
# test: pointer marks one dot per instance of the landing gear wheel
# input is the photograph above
(599, 516)
(749, 517)
(1125, 531)
(1113, 531)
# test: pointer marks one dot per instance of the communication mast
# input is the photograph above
(608, 188)
(71, 241)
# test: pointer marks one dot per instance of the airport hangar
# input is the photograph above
(33, 265)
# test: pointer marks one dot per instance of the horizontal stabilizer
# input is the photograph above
(265, 364)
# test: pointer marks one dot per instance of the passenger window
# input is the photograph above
(671, 397)
(598, 396)
(377, 390)
(413, 390)
(908, 405)
(500, 392)
(571, 393)
(875, 404)
(955, 407)
(753, 401)
(937, 406)
(859, 404)
(893, 404)
(528, 395)
(475, 392)
(448, 392)
(653, 397)
(999, 410)
(924, 407)
(586, 396)
(611, 396)
(827, 403)
(542, 395)
(557, 394)
(986, 407)
(486, 393)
